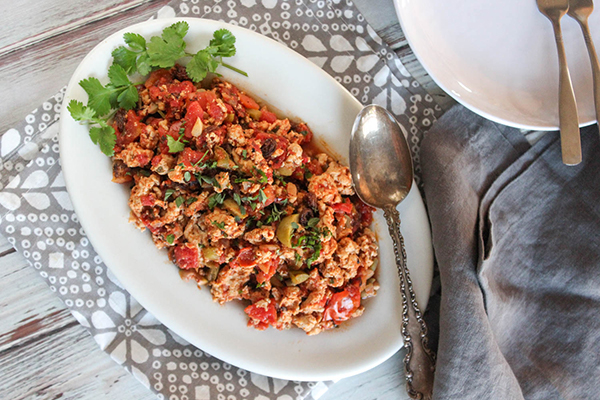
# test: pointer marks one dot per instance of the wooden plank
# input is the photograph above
(67, 364)
(29, 309)
(19, 27)
(30, 76)
(384, 382)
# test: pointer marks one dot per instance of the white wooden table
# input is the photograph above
(44, 352)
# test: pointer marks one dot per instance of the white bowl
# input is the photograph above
(498, 58)
(300, 89)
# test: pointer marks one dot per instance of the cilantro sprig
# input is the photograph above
(165, 50)
(101, 133)
(142, 56)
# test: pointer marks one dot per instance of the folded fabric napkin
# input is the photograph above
(39, 221)
(517, 238)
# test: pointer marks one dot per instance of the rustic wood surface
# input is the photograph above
(44, 352)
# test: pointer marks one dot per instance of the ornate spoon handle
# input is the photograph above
(419, 361)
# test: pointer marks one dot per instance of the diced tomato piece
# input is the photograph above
(205, 98)
(155, 93)
(267, 270)
(194, 111)
(342, 304)
(142, 159)
(344, 207)
(215, 111)
(269, 191)
(174, 130)
(156, 160)
(158, 77)
(230, 96)
(267, 115)
(248, 102)
(148, 200)
(189, 157)
(133, 129)
(183, 88)
(245, 258)
(314, 167)
(186, 257)
(305, 131)
(263, 317)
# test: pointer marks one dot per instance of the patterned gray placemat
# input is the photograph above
(39, 221)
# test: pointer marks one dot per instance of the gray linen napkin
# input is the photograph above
(517, 239)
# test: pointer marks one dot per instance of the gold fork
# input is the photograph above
(570, 140)
(580, 10)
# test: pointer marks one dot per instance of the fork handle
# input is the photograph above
(570, 140)
(595, 65)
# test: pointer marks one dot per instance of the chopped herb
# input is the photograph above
(263, 176)
(187, 176)
(179, 201)
(262, 197)
(236, 198)
(245, 154)
(215, 200)
(312, 222)
(315, 255)
(170, 238)
(295, 225)
(276, 214)
(303, 133)
(190, 200)
(182, 128)
(211, 180)
(298, 258)
(220, 225)
(259, 285)
(240, 180)
(169, 193)
(242, 210)
(200, 160)
(145, 172)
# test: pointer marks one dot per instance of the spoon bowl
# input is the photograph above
(380, 160)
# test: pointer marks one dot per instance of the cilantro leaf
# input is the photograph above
(178, 29)
(165, 50)
(224, 43)
(105, 137)
(170, 238)
(135, 41)
(143, 64)
(125, 58)
(118, 76)
(175, 146)
(79, 112)
(200, 65)
(179, 201)
(128, 98)
(99, 96)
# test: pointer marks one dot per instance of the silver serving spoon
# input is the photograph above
(382, 174)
